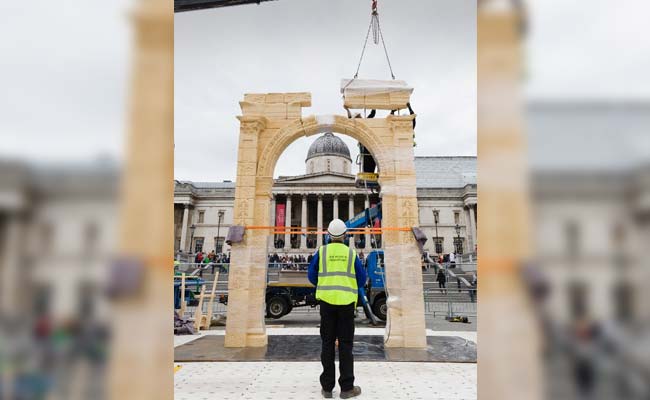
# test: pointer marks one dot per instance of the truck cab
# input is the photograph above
(374, 264)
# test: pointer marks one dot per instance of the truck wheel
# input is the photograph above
(380, 309)
(277, 307)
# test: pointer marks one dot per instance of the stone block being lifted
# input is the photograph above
(375, 94)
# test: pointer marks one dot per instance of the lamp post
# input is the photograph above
(459, 246)
(436, 217)
(221, 212)
(192, 228)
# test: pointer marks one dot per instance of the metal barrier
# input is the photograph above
(451, 302)
(458, 298)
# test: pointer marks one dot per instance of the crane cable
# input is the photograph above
(375, 27)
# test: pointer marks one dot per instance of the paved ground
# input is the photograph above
(299, 380)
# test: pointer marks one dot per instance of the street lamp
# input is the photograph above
(221, 212)
(436, 217)
(459, 247)
(192, 228)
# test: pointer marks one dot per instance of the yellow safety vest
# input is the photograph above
(337, 281)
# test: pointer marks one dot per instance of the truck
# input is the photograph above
(293, 289)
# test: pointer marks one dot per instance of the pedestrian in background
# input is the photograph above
(442, 280)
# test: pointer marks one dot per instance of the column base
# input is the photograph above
(245, 340)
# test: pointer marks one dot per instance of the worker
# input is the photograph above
(337, 286)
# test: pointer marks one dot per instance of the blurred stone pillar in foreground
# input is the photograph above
(508, 349)
(141, 348)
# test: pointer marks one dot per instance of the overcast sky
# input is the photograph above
(310, 45)
(65, 80)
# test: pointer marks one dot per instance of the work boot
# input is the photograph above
(326, 394)
(351, 393)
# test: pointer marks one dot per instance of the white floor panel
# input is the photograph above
(299, 380)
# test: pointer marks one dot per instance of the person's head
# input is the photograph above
(336, 230)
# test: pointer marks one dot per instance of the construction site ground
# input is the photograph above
(286, 379)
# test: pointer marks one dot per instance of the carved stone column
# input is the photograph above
(405, 326)
(247, 275)
(319, 220)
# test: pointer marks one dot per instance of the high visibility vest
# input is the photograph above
(337, 281)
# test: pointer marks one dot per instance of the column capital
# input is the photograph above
(304, 196)
(336, 195)
(320, 196)
(252, 124)
(186, 206)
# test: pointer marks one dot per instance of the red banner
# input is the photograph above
(279, 214)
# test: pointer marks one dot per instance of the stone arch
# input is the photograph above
(314, 125)
(269, 124)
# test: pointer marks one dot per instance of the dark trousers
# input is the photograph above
(337, 322)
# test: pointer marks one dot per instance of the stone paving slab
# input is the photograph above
(299, 381)
(307, 348)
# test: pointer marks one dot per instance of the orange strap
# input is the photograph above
(315, 231)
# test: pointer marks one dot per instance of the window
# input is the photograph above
(218, 244)
(91, 236)
(458, 245)
(578, 299)
(457, 217)
(47, 237)
(198, 244)
(438, 245)
(623, 293)
(572, 235)
(201, 217)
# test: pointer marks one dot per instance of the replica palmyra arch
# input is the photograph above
(268, 124)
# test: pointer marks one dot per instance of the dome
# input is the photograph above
(328, 145)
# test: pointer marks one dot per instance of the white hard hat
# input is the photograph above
(337, 228)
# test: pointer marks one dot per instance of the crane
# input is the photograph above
(192, 5)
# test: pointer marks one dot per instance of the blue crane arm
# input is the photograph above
(365, 217)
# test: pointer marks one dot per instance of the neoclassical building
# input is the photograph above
(446, 186)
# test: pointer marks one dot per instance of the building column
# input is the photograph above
(319, 221)
(367, 204)
(336, 206)
(350, 205)
(272, 220)
(351, 214)
(186, 212)
(472, 224)
(468, 230)
(287, 222)
(303, 222)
